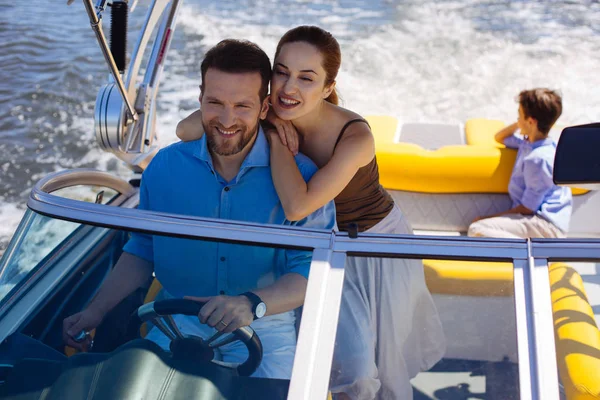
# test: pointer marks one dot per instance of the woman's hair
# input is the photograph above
(544, 105)
(327, 46)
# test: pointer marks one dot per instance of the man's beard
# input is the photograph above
(228, 147)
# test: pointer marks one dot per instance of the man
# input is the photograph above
(540, 208)
(225, 174)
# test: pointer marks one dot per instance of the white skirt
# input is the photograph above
(389, 329)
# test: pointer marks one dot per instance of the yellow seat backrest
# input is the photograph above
(481, 131)
(481, 166)
(469, 278)
(155, 287)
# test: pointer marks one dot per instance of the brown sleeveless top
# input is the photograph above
(363, 201)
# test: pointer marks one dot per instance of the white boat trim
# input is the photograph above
(547, 366)
(316, 340)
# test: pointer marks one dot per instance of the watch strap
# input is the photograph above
(255, 300)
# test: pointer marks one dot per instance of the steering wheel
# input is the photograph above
(160, 314)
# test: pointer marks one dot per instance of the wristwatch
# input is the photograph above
(259, 308)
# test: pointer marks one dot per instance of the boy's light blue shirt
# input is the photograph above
(181, 179)
(531, 181)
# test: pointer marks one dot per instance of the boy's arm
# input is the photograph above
(537, 173)
(190, 128)
(505, 133)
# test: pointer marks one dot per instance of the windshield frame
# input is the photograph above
(538, 376)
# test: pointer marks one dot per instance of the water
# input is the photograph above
(425, 60)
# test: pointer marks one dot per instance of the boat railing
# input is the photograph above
(83, 176)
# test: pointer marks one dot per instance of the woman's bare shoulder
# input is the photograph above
(343, 113)
(357, 142)
(342, 116)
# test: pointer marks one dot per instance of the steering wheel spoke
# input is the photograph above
(170, 322)
(215, 337)
(226, 340)
(159, 323)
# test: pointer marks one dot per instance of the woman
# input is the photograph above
(378, 349)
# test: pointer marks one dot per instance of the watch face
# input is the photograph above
(261, 310)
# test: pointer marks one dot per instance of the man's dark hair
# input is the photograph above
(544, 105)
(239, 56)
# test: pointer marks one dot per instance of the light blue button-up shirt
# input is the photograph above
(531, 181)
(181, 179)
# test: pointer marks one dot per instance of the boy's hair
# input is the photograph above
(542, 104)
(239, 56)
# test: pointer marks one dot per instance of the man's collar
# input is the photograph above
(259, 155)
(201, 149)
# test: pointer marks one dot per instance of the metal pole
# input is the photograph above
(97, 27)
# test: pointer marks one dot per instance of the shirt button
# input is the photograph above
(222, 258)
(227, 188)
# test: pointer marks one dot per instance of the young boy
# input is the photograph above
(540, 209)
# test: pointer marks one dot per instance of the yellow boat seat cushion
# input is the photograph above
(481, 131)
(479, 167)
(469, 278)
(576, 333)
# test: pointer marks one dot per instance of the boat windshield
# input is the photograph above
(57, 266)
(39, 236)
(445, 329)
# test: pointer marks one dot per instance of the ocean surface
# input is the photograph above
(432, 60)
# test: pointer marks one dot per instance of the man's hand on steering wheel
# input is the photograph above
(185, 345)
(225, 313)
